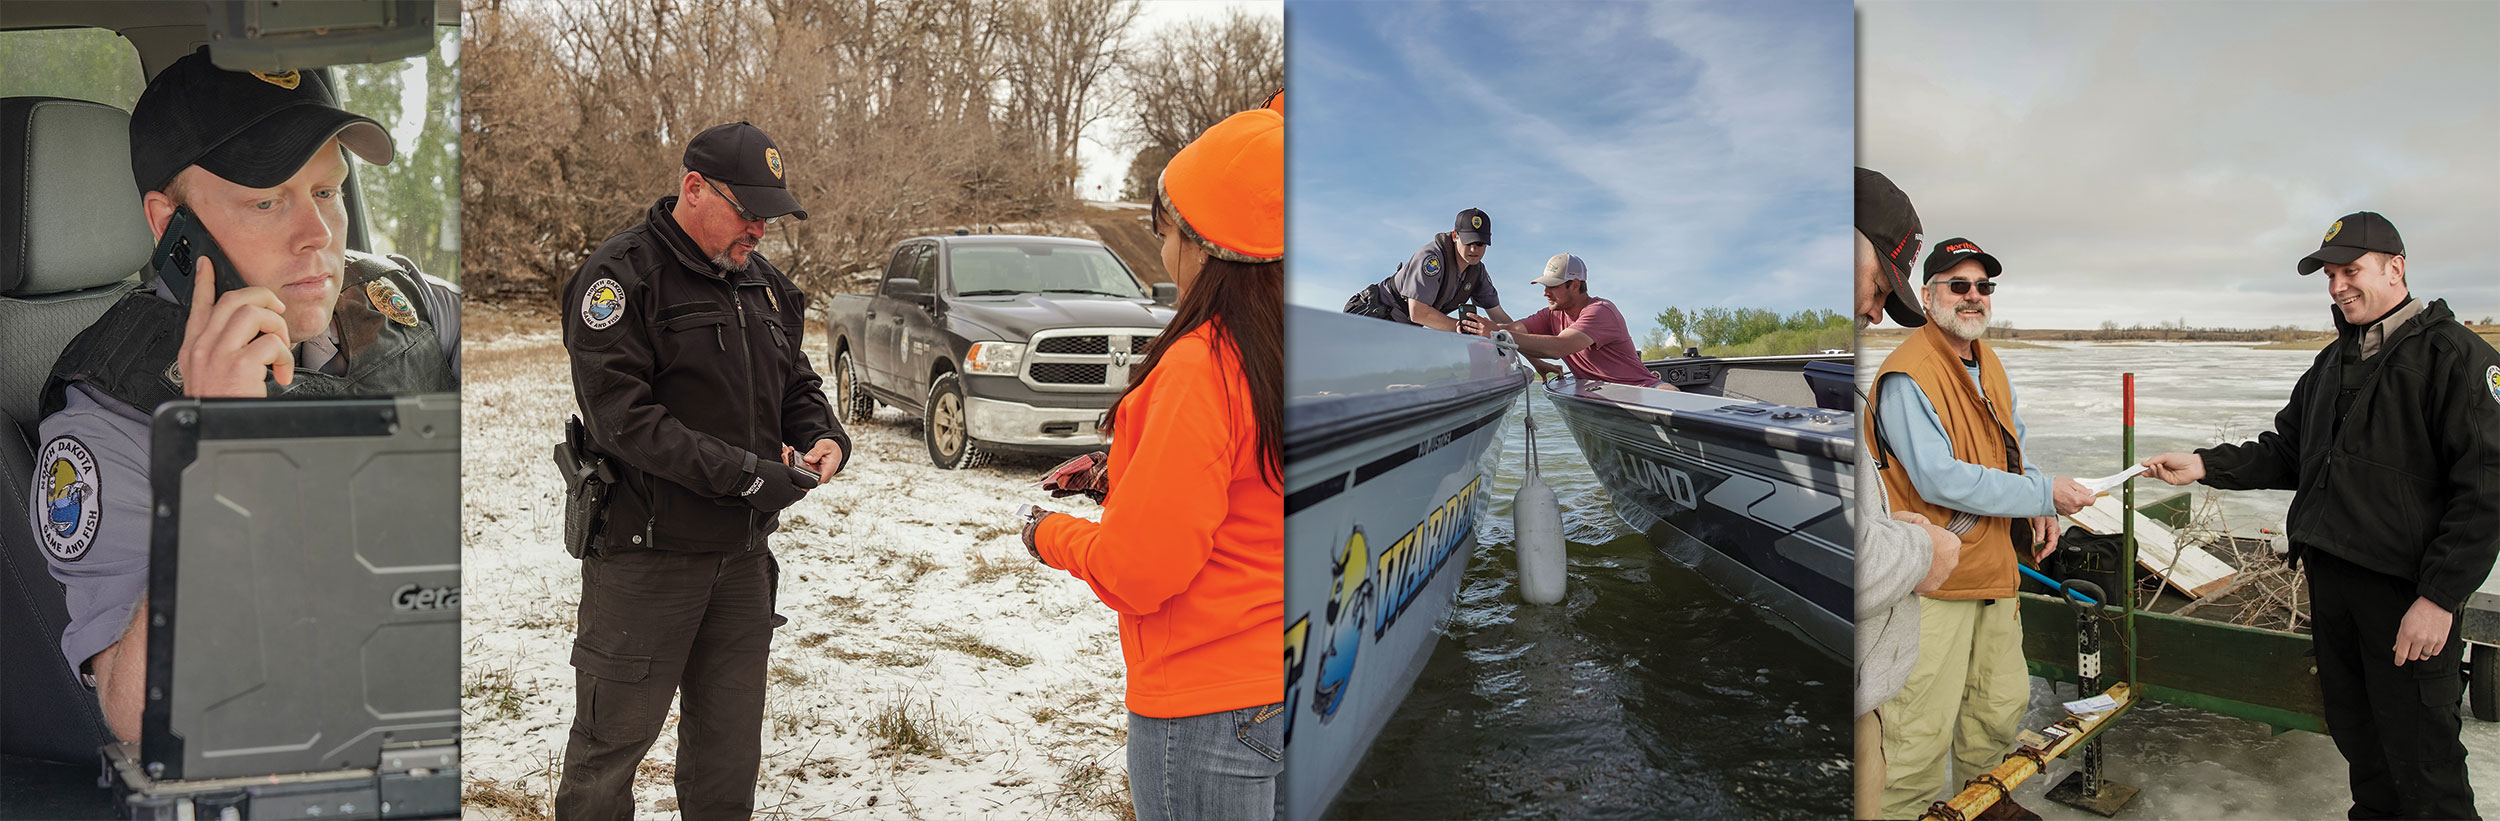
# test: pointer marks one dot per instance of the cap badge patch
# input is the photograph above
(603, 304)
(1476, 221)
(772, 159)
(387, 298)
(287, 79)
(1432, 266)
(2331, 231)
(67, 490)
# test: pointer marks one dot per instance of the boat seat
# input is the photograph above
(1835, 385)
(70, 244)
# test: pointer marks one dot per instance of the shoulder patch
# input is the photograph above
(2491, 379)
(387, 298)
(603, 303)
(1432, 265)
(66, 489)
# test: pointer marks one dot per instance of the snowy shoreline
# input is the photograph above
(930, 668)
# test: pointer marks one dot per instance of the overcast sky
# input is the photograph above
(1693, 154)
(2156, 162)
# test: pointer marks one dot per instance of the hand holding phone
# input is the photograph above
(234, 345)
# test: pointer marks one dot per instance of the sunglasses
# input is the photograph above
(1963, 286)
(743, 213)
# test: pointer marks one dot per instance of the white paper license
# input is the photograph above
(2105, 483)
(2096, 704)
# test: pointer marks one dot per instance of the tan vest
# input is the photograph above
(1982, 433)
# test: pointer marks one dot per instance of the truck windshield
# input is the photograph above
(1025, 269)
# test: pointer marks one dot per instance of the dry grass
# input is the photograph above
(951, 639)
(492, 695)
(519, 802)
(906, 727)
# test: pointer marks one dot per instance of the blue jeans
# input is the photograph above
(1215, 766)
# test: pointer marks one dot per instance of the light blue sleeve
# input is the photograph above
(1916, 437)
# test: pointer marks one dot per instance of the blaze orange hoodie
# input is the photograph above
(1191, 548)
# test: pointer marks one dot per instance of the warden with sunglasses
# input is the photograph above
(693, 390)
(1951, 449)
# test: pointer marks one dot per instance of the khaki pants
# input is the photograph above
(1868, 765)
(1966, 696)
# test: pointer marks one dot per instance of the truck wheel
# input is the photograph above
(2483, 694)
(947, 427)
(851, 401)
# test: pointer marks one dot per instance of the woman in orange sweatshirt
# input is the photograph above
(1190, 549)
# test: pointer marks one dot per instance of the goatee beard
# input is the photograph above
(1967, 331)
(721, 261)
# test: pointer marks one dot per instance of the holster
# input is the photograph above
(588, 483)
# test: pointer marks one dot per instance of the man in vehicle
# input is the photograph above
(1951, 445)
(259, 160)
(1586, 332)
(692, 386)
(1445, 275)
(2391, 448)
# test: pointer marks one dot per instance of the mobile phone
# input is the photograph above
(179, 251)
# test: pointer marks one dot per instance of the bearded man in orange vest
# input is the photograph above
(1950, 450)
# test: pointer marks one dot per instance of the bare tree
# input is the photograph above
(1192, 75)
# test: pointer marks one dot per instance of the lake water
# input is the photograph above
(1645, 693)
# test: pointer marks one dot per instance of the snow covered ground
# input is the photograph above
(930, 668)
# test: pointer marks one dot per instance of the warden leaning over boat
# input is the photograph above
(1191, 547)
(1899, 553)
(2391, 447)
(1951, 446)
(686, 364)
(1445, 275)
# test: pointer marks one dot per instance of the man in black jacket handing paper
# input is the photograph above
(693, 388)
(2391, 446)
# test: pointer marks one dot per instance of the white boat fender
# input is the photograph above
(1536, 527)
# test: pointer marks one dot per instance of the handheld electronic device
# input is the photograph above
(179, 251)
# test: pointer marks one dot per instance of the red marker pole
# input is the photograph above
(2127, 501)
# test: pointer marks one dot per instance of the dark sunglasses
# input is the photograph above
(1963, 286)
(743, 213)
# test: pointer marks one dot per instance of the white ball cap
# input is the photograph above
(1563, 268)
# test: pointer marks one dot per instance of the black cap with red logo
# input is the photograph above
(1890, 224)
(1952, 252)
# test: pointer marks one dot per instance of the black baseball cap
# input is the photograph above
(1473, 227)
(1891, 225)
(740, 156)
(253, 128)
(2356, 234)
(1951, 252)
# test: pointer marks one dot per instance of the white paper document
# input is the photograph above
(2105, 483)
(2096, 704)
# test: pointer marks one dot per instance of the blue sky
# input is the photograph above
(2155, 162)
(1694, 154)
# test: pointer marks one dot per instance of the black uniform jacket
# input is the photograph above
(689, 377)
(2394, 461)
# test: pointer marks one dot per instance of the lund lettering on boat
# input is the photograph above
(1666, 481)
(1407, 566)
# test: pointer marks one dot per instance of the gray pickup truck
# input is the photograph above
(995, 341)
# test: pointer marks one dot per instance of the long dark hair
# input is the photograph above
(1247, 301)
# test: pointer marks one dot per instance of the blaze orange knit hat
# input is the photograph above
(1226, 189)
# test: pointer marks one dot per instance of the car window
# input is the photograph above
(412, 206)
(81, 64)
(900, 267)
(926, 269)
(1040, 267)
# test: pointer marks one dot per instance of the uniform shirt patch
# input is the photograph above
(69, 510)
(1432, 266)
(2491, 376)
(603, 304)
(387, 299)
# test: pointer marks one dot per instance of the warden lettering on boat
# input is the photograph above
(2391, 448)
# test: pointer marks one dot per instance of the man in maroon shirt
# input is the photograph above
(1587, 333)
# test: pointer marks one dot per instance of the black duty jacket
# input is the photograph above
(2405, 480)
(688, 379)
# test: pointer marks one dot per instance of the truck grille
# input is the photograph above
(1068, 373)
(1085, 359)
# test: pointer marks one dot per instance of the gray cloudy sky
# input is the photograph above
(2153, 162)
